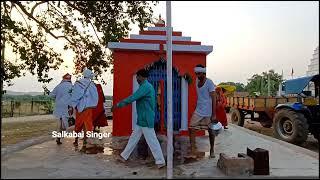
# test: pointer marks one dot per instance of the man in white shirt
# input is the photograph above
(62, 95)
(84, 99)
(204, 113)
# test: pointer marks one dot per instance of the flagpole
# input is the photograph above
(169, 91)
(269, 91)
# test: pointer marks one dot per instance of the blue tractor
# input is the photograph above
(292, 122)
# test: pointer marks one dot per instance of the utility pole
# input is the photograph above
(169, 91)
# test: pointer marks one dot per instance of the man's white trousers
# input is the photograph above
(152, 142)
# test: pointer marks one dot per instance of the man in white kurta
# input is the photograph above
(205, 112)
(84, 99)
(62, 95)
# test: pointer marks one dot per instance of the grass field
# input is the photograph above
(25, 108)
(12, 133)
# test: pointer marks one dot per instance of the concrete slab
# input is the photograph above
(47, 160)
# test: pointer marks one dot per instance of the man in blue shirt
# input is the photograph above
(145, 99)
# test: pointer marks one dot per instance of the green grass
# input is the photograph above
(12, 133)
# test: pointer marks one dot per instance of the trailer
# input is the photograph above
(241, 108)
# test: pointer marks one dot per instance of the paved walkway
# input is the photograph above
(28, 118)
(47, 160)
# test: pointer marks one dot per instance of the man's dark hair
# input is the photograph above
(143, 73)
(200, 65)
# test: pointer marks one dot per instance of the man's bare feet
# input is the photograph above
(212, 154)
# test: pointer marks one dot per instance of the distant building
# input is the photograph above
(313, 69)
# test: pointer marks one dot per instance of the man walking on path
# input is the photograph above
(145, 99)
(62, 95)
(204, 113)
(84, 99)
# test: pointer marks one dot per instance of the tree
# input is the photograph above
(71, 22)
(239, 86)
(259, 83)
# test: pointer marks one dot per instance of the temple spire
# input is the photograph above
(160, 22)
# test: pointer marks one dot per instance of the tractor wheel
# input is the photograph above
(264, 120)
(290, 126)
(236, 117)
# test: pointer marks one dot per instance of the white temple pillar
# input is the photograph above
(184, 105)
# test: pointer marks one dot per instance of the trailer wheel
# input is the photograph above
(236, 117)
(290, 126)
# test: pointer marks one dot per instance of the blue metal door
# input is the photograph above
(157, 72)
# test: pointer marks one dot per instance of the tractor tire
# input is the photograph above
(290, 126)
(265, 121)
(236, 117)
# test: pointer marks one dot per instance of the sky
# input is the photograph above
(247, 38)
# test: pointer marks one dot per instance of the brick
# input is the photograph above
(261, 161)
(236, 166)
